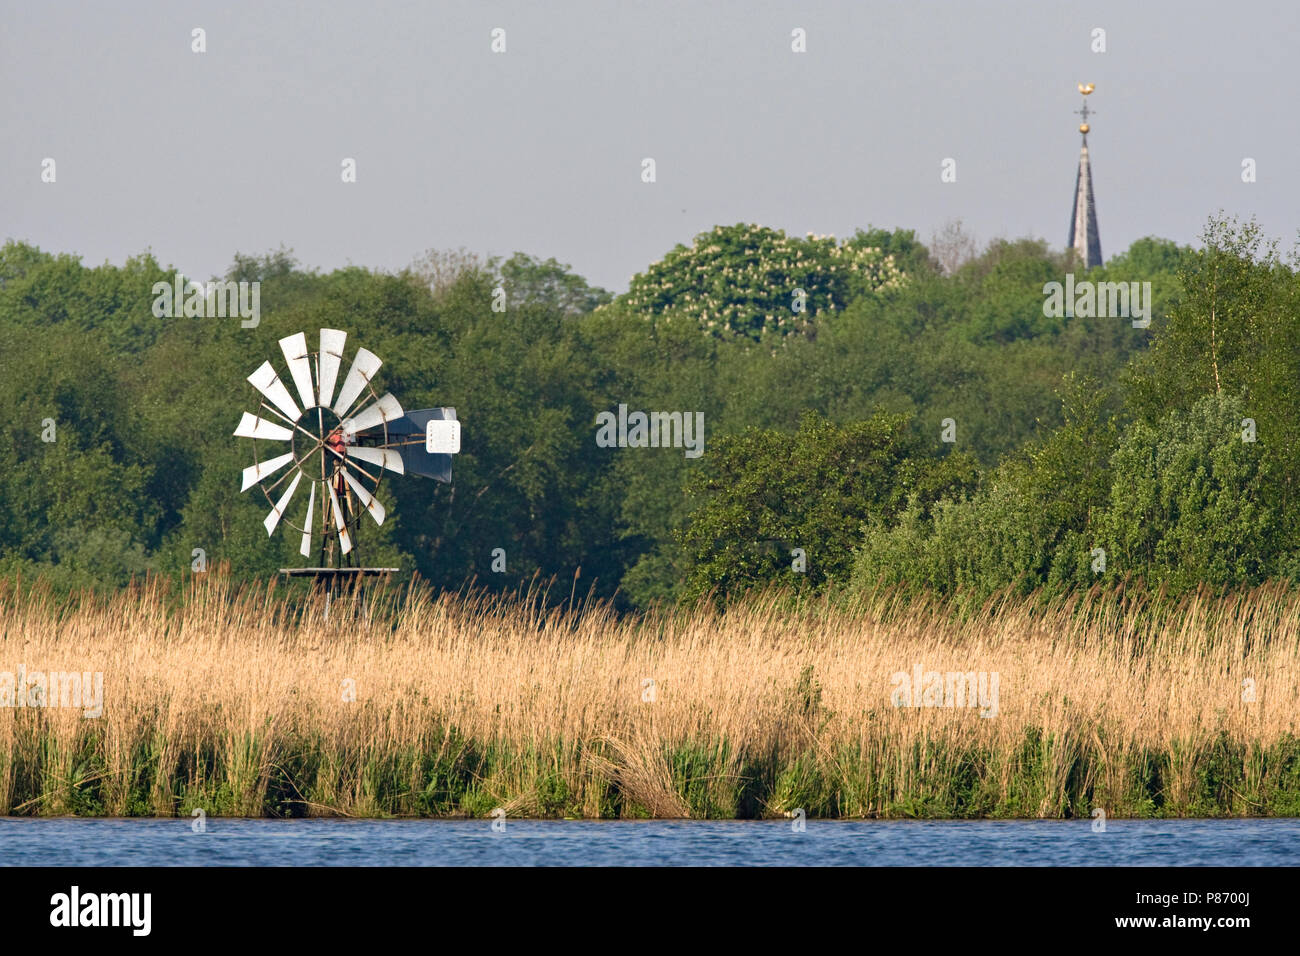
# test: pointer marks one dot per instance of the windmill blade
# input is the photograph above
(255, 473)
(364, 367)
(387, 409)
(345, 541)
(331, 354)
(273, 519)
(250, 426)
(384, 457)
(294, 348)
(268, 383)
(370, 501)
(305, 550)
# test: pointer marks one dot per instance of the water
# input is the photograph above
(82, 842)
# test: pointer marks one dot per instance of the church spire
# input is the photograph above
(1084, 237)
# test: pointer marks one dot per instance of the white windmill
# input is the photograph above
(341, 445)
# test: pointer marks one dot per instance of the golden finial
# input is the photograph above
(1085, 89)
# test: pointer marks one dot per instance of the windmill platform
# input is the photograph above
(337, 572)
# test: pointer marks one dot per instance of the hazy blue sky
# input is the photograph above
(539, 149)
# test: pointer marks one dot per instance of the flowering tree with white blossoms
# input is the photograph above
(748, 280)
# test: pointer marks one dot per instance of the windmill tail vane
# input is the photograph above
(340, 444)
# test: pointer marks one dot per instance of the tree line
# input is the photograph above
(874, 411)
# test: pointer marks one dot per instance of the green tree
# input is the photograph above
(1189, 502)
(764, 494)
(758, 282)
(527, 280)
(1028, 524)
(1233, 332)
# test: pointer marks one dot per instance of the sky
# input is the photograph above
(198, 156)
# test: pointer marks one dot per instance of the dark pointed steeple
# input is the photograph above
(1084, 237)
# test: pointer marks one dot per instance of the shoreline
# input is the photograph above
(246, 703)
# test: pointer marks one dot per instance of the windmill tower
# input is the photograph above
(341, 444)
(1084, 238)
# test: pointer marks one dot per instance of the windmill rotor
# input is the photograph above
(339, 443)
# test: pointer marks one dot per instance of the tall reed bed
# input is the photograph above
(254, 701)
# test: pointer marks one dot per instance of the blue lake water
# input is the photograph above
(227, 842)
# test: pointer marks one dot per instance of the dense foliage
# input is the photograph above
(910, 423)
(761, 283)
(774, 505)
(1181, 474)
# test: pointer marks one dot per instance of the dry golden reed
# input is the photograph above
(253, 701)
